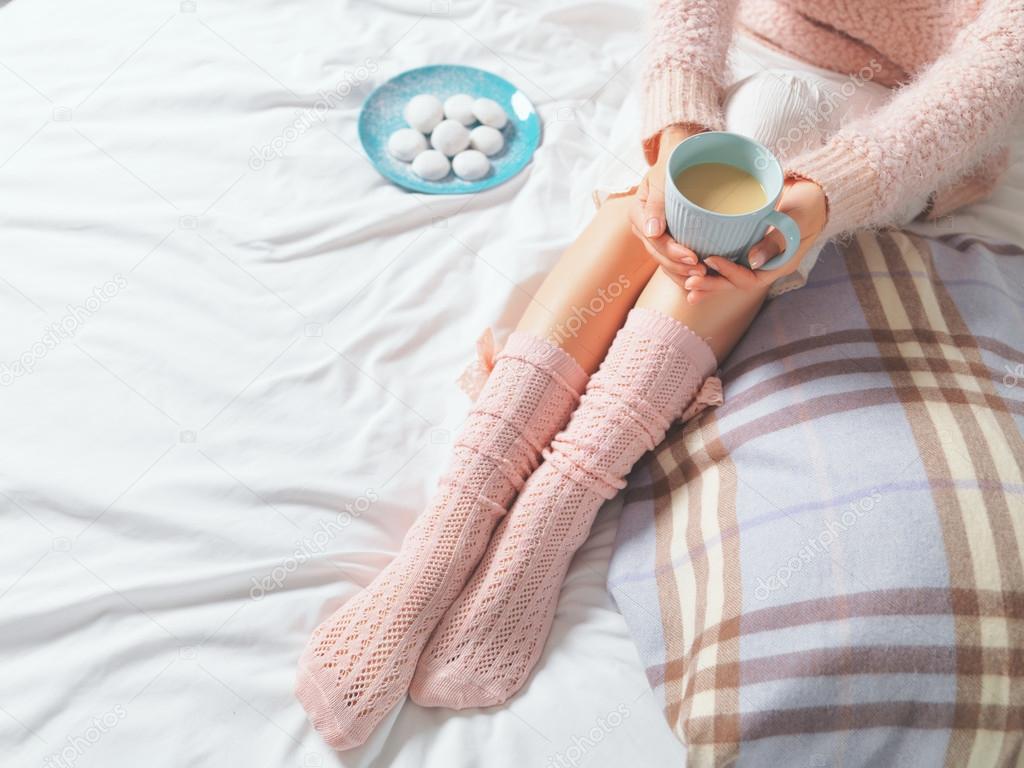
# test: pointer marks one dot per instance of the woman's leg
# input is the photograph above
(483, 650)
(359, 662)
(721, 319)
(584, 300)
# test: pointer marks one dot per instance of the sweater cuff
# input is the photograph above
(850, 186)
(674, 97)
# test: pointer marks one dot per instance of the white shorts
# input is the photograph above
(790, 106)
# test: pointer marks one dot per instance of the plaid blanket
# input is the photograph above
(827, 569)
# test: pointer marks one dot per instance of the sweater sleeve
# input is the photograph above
(685, 66)
(932, 131)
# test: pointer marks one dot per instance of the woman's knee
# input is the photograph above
(613, 215)
(609, 246)
(721, 319)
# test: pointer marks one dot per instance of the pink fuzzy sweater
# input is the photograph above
(957, 68)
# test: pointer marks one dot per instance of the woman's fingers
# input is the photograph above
(647, 213)
(671, 262)
(771, 245)
(670, 265)
(654, 209)
(638, 206)
(708, 283)
(804, 201)
(654, 222)
(667, 245)
(672, 250)
(677, 279)
(741, 277)
(675, 266)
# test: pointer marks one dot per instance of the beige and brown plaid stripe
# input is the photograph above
(706, 495)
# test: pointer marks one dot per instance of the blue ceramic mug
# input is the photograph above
(707, 233)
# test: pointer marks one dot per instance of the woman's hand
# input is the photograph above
(802, 200)
(647, 213)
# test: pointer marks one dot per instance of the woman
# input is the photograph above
(463, 611)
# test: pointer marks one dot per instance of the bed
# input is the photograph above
(233, 436)
(229, 359)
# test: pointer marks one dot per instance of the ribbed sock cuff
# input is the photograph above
(547, 356)
(667, 330)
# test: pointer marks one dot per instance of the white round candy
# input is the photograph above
(405, 143)
(431, 165)
(423, 112)
(486, 139)
(471, 165)
(450, 137)
(489, 112)
(460, 107)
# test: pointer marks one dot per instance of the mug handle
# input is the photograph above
(790, 231)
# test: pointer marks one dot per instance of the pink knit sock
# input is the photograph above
(488, 642)
(358, 663)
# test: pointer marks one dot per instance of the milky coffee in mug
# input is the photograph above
(721, 188)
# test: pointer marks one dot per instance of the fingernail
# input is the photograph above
(756, 259)
(651, 228)
(694, 273)
(688, 260)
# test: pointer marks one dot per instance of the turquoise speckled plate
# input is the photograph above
(382, 115)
